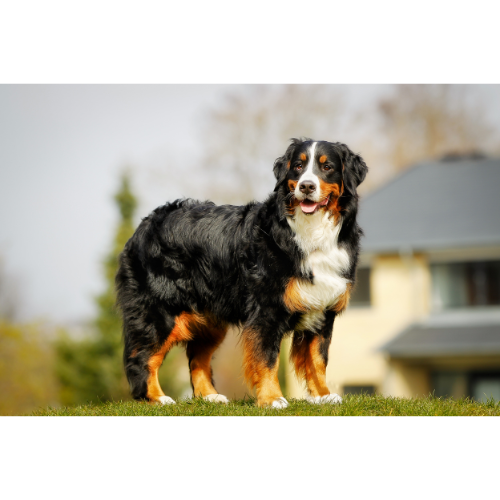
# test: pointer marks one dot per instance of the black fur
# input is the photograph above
(232, 262)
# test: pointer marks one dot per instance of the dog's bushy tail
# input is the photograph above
(129, 303)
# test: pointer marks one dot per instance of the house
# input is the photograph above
(425, 316)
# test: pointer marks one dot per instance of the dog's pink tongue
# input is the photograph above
(308, 207)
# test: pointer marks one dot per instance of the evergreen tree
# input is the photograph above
(91, 369)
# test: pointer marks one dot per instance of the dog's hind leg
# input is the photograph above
(144, 359)
(199, 352)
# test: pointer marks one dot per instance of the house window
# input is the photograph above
(361, 297)
(359, 389)
(485, 385)
(465, 284)
(449, 384)
(481, 385)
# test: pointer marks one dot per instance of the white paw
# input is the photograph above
(279, 403)
(328, 399)
(165, 400)
(216, 398)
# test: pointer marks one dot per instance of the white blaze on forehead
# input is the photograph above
(308, 175)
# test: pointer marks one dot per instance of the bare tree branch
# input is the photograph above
(246, 135)
(421, 122)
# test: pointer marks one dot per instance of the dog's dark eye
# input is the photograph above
(326, 168)
(298, 167)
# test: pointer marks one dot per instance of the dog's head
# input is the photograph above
(318, 175)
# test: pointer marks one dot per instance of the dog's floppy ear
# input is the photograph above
(354, 169)
(281, 165)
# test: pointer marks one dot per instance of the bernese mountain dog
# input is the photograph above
(284, 266)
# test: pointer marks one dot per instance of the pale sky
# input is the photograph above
(61, 149)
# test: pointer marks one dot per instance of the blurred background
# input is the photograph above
(81, 165)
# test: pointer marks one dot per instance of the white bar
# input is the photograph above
(96, 11)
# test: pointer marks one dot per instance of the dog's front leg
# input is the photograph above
(261, 362)
(310, 356)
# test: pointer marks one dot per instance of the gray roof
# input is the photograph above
(461, 333)
(435, 205)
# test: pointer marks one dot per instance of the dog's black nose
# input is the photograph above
(307, 187)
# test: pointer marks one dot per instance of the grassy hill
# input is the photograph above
(362, 405)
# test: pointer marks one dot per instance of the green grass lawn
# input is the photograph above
(363, 405)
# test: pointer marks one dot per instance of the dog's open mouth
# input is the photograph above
(309, 206)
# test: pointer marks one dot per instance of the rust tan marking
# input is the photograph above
(288, 165)
(182, 332)
(303, 156)
(342, 302)
(134, 353)
(293, 299)
(154, 389)
(322, 159)
(334, 192)
(200, 351)
(309, 364)
(257, 374)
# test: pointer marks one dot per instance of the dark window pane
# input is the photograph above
(477, 283)
(494, 283)
(485, 385)
(449, 384)
(361, 295)
(359, 389)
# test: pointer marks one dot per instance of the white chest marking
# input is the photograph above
(317, 236)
